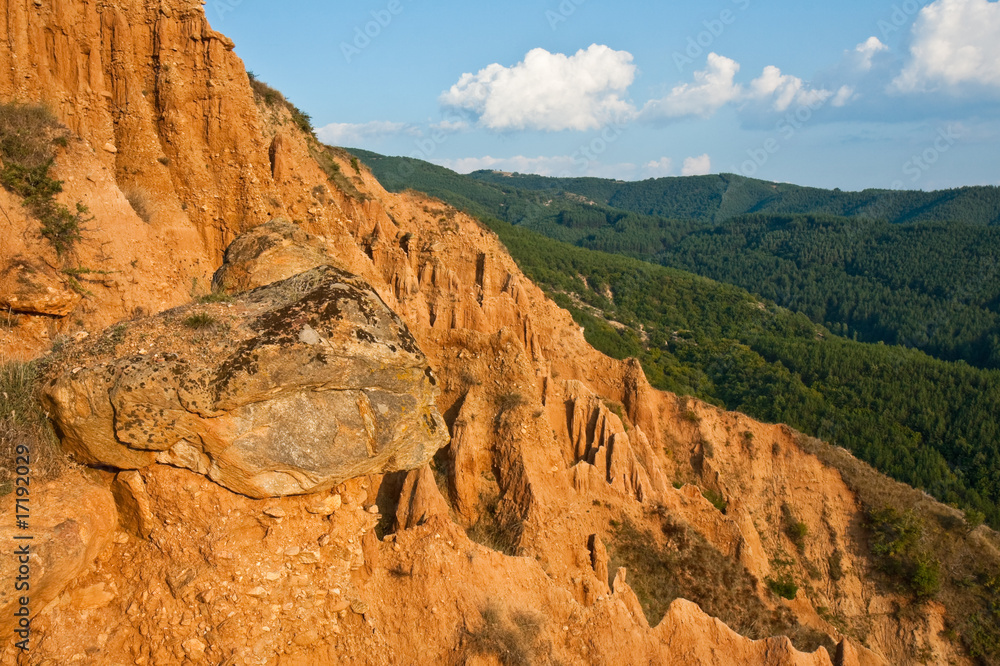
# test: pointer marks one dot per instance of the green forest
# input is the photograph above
(915, 277)
(778, 342)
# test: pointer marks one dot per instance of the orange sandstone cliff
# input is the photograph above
(566, 519)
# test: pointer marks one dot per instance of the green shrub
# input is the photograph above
(794, 528)
(783, 586)
(26, 137)
(836, 563)
(896, 547)
(716, 498)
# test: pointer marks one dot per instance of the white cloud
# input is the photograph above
(783, 90)
(866, 50)
(713, 88)
(549, 91)
(659, 168)
(844, 95)
(556, 165)
(697, 166)
(450, 126)
(955, 43)
(344, 134)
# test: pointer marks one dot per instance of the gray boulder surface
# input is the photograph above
(291, 388)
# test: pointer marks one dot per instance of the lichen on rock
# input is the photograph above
(288, 389)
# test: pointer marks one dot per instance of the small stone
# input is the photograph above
(257, 592)
(373, 509)
(309, 336)
(110, 147)
(194, 648)
(309, 557)
(275, 512)
(359, 606)
(293, 551)
(272, 575)
(324, 539)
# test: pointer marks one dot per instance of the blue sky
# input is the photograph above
(898, 93)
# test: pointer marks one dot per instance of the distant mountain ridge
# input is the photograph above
(719, 197)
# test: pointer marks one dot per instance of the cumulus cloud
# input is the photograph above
(697, 166)
(658, 168)
(344, 134)
(549, 91)
(955, 44)
(782, 90)
(844, 95)
(713, 88)
(866, 51)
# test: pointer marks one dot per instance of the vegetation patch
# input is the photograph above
(24, 425)
(688, 567)
(783, 586)
(496, 528)
(896, 544)
(27, 134)
(200, 320)
(513, 638)
(795, 529)
(716, 498)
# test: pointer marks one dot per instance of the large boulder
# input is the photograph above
(273, 251)
(288, 389)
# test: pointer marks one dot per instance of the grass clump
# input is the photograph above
(507, 402)
(27, 134)
(219, 296)
(141, 202)
(24, 427)
(783, 586)
(515, 639)
(200, 321)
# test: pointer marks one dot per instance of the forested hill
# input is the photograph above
(714, 198)
(927, 283)
(720, 197)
